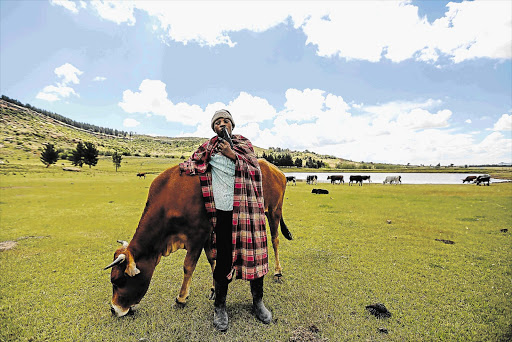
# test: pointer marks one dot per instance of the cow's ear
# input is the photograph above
(131, 267)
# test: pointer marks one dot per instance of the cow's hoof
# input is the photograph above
(180, 304)
(278, 278)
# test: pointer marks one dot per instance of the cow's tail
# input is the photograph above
(284, 230)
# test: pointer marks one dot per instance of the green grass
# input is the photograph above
(344, 256)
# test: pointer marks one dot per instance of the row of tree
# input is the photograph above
(287, 160)
(83, 154)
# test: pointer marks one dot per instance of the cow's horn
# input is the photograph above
(124, 243)
(121, 258)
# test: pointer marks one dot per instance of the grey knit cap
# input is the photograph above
(223, 113)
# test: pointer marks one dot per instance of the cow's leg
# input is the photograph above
(209, 255)
(273, 221)
(188, 269)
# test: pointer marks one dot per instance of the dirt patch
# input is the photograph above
(310, 334)
(6, 245)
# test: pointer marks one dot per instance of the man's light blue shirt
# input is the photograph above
(223, 181)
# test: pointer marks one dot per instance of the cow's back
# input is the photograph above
(181, 195)
(174, 206)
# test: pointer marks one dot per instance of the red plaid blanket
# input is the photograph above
(250, 255)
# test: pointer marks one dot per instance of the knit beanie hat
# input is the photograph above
(222, 113)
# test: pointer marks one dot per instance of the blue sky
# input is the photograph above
(420, 82)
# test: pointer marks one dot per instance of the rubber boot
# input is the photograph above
(258, 308)
(220, 314)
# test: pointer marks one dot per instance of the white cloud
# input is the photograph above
(251, 108)
(473, 29)
(68, 74)
(152, 99)
(67, 4)
(130, 123)
(53, 93)
(99, 78)
(115, 10)
(504, 123)
(422, 119)
(47, 96)
(182, 22)
(365, 30)
(303, 105)
(61, 91)
(468, 121)
(494, 148)
(396, 132)
(407, 115)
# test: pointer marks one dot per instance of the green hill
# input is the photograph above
(24, 131)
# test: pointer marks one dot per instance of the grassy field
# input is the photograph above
(345, 256)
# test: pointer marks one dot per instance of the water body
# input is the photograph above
(407, 178)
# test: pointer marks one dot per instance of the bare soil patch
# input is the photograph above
(309, 334)
(6, 245)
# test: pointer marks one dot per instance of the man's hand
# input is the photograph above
(224, 148)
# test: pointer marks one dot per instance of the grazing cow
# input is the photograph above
(320, 191)
(469, 179)
(393, 179)
(174, 218)
(291, 179)
(356, 179)
(483, 179)
(141, 174)
(312, 179)
(366, 178)
(335, 179)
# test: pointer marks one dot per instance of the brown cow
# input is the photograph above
(469, 179)
(174, 218)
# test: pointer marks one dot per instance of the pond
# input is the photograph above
(407, 178)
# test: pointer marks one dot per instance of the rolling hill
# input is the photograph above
(24, 131)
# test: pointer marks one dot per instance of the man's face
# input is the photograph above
(220, 123)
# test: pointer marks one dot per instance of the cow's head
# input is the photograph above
(130, 281)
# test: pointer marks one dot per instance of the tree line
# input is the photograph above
(85, 153)
(63, 119)
(286, 160)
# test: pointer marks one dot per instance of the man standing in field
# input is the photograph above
(230, 178)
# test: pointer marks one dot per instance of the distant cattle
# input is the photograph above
(312, 179)
(469, 179)
(356, 179)
(367, 178)
(291, 179)
(335, 179)
(393, 179)
(483, 179)
(320, 191)
(141, 174)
